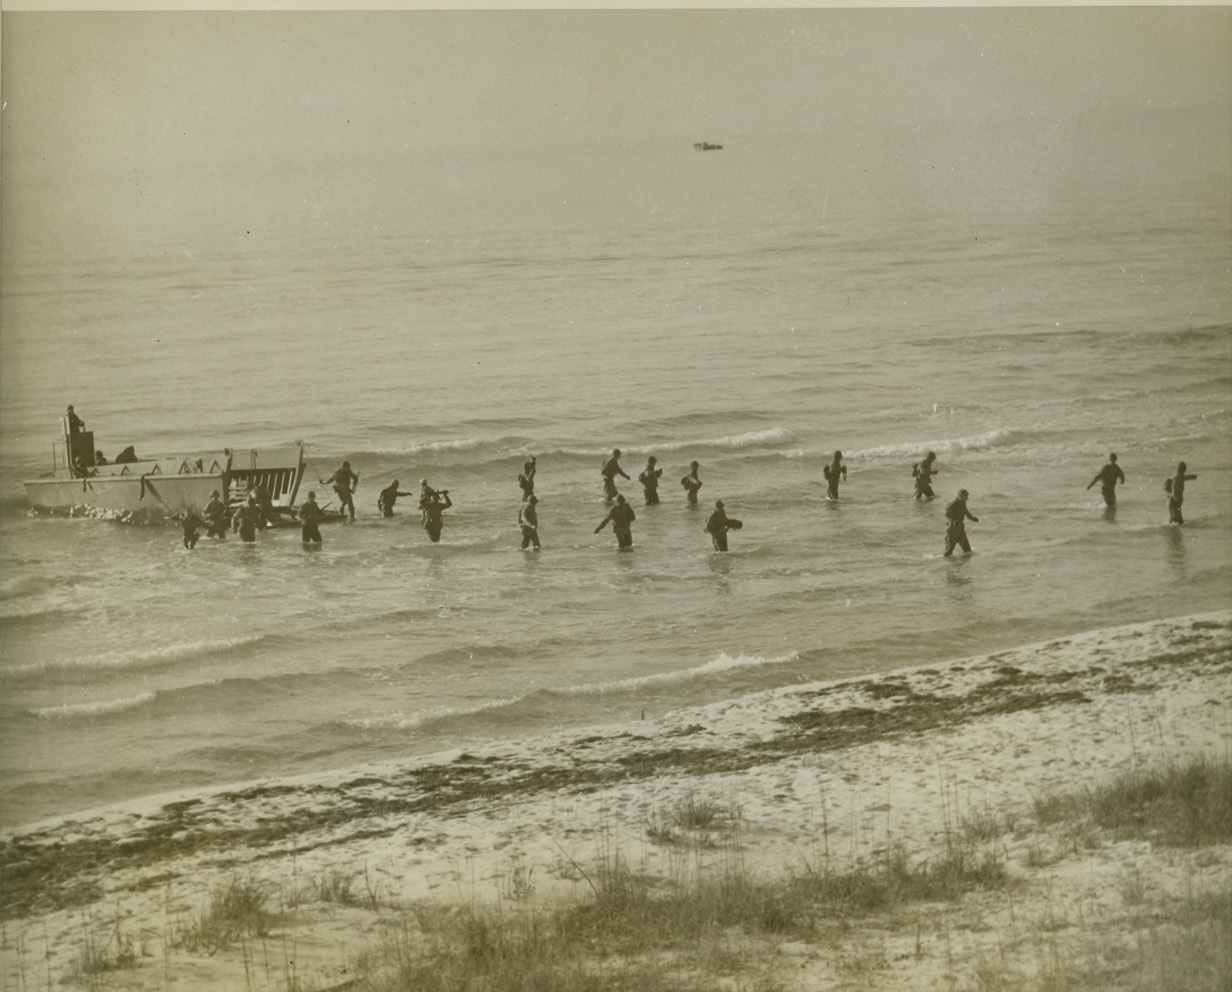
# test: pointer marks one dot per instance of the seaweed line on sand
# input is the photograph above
(49, 868)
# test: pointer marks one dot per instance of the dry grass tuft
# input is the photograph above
(647, 934)
(104, 950)
(1182, 804)
(237, 909)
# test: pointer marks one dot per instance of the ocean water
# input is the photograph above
(744, 308)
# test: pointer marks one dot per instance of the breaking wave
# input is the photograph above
(723, 663)
(68, 711)
(475, 453)
(147, 658)
(430, 447)
(946, 446)
(414, 721)
(769, 438)
(27, 585)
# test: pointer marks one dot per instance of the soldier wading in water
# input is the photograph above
(955, 529)
(611, 468)
(718, 524)
(528, 520)
(621, 517)
(1108, 477)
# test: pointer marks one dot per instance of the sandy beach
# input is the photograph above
(800, 779)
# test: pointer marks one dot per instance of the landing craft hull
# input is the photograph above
(168, 486)
(131, 494)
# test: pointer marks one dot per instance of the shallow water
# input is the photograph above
(698, 317)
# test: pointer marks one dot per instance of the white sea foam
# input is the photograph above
(723, 663)
(429, 447)
(943, 446)
(21, 609)
(768, 438)
(413, 721)
(25, 585)
(751, 439)
(141, 658)
(101, 708)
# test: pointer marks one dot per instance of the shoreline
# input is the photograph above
(758, 705)
(820, 772)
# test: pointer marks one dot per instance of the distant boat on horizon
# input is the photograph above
(706, 146)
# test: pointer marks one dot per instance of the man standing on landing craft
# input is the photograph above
(75, 424)
(1108, 477)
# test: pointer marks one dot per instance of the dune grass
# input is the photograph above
(237, 909)
(341, 887)
(653, 935)
(692, 819)
(1193, 955)
(105, 948)
(717, 928)
(715, 923)
(1180, 804)
(1186, 950)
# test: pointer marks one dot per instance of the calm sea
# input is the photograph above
(743, 308)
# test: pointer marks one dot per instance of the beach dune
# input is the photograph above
(813, 775)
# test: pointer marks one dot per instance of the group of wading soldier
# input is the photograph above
(1174, 486)
(251, 515)
(621, 514)
(432, 502)
(956, 513)
(255, 512)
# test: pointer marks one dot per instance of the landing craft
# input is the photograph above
(163, 484)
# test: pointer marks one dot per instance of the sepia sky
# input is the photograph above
(147, 99)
